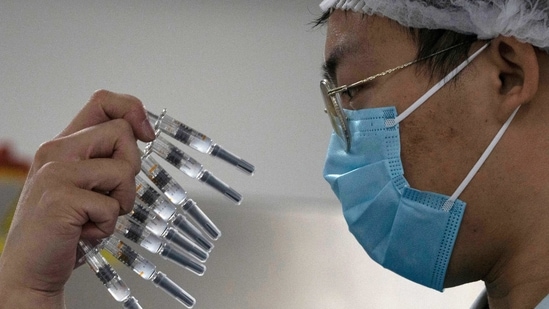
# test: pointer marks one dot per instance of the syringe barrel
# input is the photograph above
(145, 216)
(181, 132)
(186, 164)
(139, 213)
(167, 285)
(129, 257)
(176, 157)
(197, 140)
(104, 271)
(191, 208)
(144, 191)
(139, 235)
(156, 225)
(164, 208)
(154, 199)
(162, 180)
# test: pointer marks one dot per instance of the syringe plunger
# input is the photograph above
(167, 285)
(187, 245)
(220, 186)
(182, 260)
(191, 208)
(232, 159)
(131, 303)
(184, 225)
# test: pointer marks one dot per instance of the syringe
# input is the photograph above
(166, 184)
(189, 207)
(159, 227)
(108, 276)
(146, 269)
(190, 167)
(154, 244)
(168, 211)
(196, 140)
(131, 303)
(154, 199)
(162, 179)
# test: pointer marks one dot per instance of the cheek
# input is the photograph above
(435, 154)
(401, 91)
(416, 152)
(439, 143)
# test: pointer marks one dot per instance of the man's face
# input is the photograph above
(441, 140)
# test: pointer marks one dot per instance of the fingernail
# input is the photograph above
(148, 129)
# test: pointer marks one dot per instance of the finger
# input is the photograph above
(112, 139)
(93, 213)
(98, 175)
(104, 106)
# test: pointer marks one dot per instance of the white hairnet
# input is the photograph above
(526, 20)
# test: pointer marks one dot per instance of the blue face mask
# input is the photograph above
(408, 231)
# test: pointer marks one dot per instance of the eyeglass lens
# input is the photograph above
(335, 112)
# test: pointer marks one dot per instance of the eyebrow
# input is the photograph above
(336, 56)
(329, 67)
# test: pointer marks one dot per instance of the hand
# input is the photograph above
(79, 183)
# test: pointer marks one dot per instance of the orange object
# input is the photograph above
(13, 171)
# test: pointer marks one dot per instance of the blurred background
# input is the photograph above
(243, 72)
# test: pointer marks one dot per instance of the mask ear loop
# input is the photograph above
(393, 122)
(450, 202)
(434, 89)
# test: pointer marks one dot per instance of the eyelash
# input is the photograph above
(351, 92)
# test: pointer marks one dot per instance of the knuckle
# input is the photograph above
(135, 108)
(131, 168)
(136, 167)
(129, 143)
(123, 127)
(136, 104)
(53, 192)
(103, 95)
(99, 96)
(126, 170)
(124, 194)
(42, 155)
(49, 170)
(109, 227)
(126, 207)
(54, 196)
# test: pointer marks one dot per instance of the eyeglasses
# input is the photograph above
(333, 103)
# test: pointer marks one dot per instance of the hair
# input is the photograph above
(429, 41)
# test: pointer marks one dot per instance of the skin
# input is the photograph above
(79, 183)
(84, 178)
(502, 237)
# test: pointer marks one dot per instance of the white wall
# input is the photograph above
(251, 66)
(245, 73)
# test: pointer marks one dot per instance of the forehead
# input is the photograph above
(349, 26)
(354, 38)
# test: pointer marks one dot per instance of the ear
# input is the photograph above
(518, 68)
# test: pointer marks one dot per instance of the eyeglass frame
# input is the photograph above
(332, 99)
